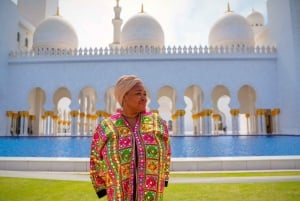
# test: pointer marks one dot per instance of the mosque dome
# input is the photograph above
(55, 32)
(142, 30)
(255, 18)
(231, 30)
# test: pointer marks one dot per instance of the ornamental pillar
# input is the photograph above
(178, 122)
(14, 123)
(275, 120)
(202, 122)
(21, 123)
(207, 124)
(74, 122)
(23, 120)
(235, 120)
(181, 114)
(82, 122)
(216, 123)
(26, 123)
(174, 124)
(31, 120)
(247, 123)
(44, 124)
(9, 123)
(48, 122)
(196, 123)
(55, 125)
(261, 121)
(89, 122)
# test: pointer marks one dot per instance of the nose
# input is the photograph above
(144, 97)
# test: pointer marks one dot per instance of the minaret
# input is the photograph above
(117, 23)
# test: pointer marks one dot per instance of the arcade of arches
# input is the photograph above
(195, 118)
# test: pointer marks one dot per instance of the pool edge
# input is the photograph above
(248, 163)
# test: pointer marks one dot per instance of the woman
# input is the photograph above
(130, 150)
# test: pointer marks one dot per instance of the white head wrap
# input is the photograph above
(123, 85)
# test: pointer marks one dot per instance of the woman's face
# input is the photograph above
(135, 99)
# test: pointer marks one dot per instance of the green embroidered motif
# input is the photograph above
(120, 122)
(125, 155)
(152, 151)
(149, 196)
(147, 120)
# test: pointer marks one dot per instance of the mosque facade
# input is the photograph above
(245, 81)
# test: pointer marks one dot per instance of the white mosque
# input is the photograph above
(246, 81)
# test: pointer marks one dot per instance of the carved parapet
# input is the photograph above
(143, 50)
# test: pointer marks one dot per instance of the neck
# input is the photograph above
(130, 115)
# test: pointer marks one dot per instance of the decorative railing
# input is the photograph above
(196, 50)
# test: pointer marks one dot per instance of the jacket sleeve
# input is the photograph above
(98, 167)
(167, 144)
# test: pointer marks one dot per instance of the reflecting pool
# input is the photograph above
(182, 146)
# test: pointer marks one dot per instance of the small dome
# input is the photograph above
(142, 30)
(255, 18)
(231, 30)
(55, 32)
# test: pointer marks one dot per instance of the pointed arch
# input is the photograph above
(195, 93)
(220, 97)
(110, 101)
(166, 98)
(62, 100)
(36, 100)
(87, 100)
(193, 98)
(169, 92)
(247, 99)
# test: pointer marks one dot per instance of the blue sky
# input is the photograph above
(184, 22)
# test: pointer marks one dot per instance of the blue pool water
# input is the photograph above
(183, 146)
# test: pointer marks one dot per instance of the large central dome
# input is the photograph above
(231, 30)
(142, 30)
(55, 32)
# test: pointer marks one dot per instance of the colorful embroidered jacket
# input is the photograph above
(129, 165)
